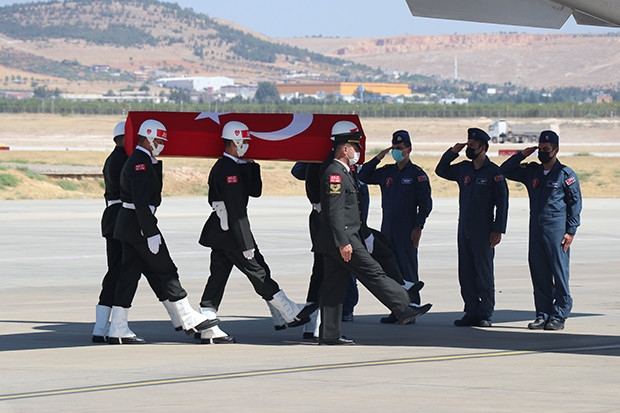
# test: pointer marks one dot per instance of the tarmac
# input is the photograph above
(52, 260)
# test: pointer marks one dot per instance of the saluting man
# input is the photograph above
(555, 207)
(227, 232)
(144, 248)
(483, 213)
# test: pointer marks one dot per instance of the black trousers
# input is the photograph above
(222, 262)
(159, 269)
(368, 271)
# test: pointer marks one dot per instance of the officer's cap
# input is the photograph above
(548, 136)
(478, 134)
(401, 136)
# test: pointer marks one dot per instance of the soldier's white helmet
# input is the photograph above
(234, 130)
(119, 129)
(237, 132)
(344, 127)
(153, 129)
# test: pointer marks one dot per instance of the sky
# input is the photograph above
(344, 18)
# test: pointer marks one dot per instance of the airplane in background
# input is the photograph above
(550, 14)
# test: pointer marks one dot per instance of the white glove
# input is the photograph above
(370, 243)
(249, 254)
(220, 209)
(154, 243)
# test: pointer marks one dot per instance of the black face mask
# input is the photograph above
(544, 157)
(471, 153)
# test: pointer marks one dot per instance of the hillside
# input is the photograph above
(58, 43)
(528, 60)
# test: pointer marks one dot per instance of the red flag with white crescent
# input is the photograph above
(274, 136)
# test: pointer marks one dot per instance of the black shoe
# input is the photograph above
(414, 291)
(337, 342)
(205, 325)
(218, 340)
(554, 324)
(308, 336)
(126, 340)
(485, 323)
(307, 310)
(538, 324)
(280, 327)
(299, 322)
(99, 339)
(412, 312)
(391, 319)
(347, 318)
(467, 321)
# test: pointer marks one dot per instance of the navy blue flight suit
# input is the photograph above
(483, 208)
(406, 203)
(555, 205)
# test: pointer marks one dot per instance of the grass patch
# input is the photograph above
(32, 175)
(582, 154)
(8, 180)
(68, 185)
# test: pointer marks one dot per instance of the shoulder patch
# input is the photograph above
(570, 181)
(335, 179)
(140, 167)
(232, 179)
(422, 178)
(498, 178)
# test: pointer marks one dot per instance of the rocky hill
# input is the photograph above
(529, 60)
(84, 46)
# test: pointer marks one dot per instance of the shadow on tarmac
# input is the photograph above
(432, 330)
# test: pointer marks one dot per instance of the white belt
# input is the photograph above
(113, 201)
(129, 205)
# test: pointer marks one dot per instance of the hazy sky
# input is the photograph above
(343, 18)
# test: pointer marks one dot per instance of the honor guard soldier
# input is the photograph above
(227, 232)
(343, 247)
(555, 207)
(483, 211)
(144, 248)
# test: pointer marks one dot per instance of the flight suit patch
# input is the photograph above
(389, 181)
(140, 167)
(535, 183)
(481, 181)
(232, 179)
(466, 180)
(570, 181)
(422, 178)
(498, 178)
(552, 184)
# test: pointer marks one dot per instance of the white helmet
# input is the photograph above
(234, 131)
(344, 127)
(153, 129)
(119, 129)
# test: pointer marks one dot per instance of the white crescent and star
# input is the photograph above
(299, 123)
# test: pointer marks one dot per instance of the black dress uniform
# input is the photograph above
(141, 186)
(340, 225)
(233, 183)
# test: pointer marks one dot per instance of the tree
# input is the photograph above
(267, 93)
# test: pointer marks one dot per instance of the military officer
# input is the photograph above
(343, 248)
(144, 248)
(227, 232)
(483, 210)
(555, 207)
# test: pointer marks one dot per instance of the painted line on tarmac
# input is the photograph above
(244, 374)
(320, 367)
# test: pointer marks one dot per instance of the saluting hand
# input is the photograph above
(458, 147)
(528, 151)
(346, 252)
(566, 241)
(382, 154)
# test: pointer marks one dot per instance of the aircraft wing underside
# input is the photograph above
(535, 13)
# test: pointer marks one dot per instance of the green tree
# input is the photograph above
(267, 93)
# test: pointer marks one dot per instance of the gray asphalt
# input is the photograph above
(52, 261)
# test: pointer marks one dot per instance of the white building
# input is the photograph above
(195, 83)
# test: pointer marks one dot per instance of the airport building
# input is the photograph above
(346, 90)
(195, 83)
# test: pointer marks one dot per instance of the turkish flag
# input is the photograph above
(274, 136)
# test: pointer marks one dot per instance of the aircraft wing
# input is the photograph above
(551, 14)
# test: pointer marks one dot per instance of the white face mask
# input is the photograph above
(242, 147)
(356, 157)
(155, 148)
